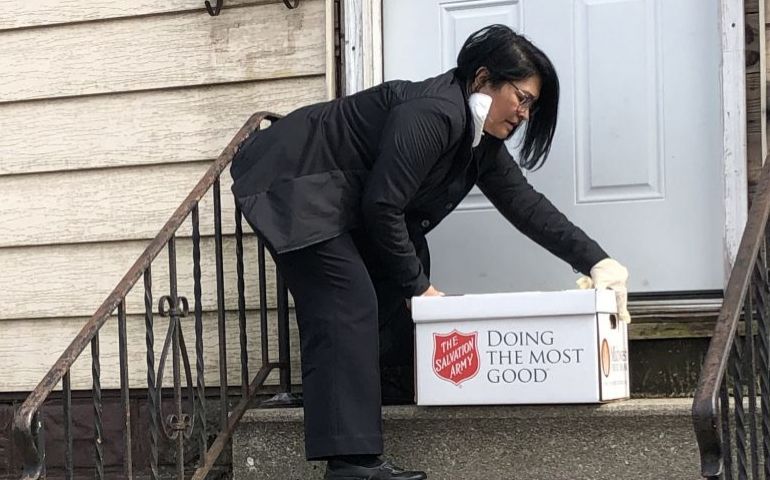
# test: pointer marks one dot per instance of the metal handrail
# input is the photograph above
(710, 403)
(25, 424)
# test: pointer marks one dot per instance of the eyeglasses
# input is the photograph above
(526, 101)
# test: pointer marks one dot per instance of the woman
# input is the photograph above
(343, 192)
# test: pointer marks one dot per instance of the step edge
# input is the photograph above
(658, 407)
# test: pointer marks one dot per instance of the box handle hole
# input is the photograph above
(613, 321)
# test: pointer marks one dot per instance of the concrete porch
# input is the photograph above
(638, 438)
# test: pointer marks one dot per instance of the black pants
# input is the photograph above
(353, 326)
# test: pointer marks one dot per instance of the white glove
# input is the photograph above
(610, 274)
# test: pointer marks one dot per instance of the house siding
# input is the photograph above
(110, 112)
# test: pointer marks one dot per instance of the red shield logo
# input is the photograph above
(456, 356)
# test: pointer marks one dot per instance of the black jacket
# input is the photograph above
(394, 159)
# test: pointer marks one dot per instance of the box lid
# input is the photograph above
(512, 305)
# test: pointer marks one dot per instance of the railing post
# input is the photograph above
(27, 440)
(749, 368)
(200, 398)
(263, 302)
(763, 316)
(97, 393)
(220, 306)
(40, 441)
(286, 398)
(153, 396)
(241, 303)
(736, 367)
(125, 401)
(67, 410)
(284, 346)
(177, 423)
(726, 452)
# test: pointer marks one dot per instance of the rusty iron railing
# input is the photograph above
(736, 366)
(180, 425)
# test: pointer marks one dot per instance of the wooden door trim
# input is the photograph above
(734, 150)
(361, 44)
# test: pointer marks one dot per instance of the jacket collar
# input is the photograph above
(479, 104)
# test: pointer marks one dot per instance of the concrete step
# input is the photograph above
(639, 439)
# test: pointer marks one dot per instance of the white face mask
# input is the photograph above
(479, 103)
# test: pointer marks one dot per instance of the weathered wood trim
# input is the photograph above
(362, 48)
(373, 43)
(733, 76)
(332, 67)
(352, 46)
(673, 318)
(756, 137)
(671, 329)
(756, 94)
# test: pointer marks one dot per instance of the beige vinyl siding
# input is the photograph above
(74, 279)
(52, 12)
(40, 341)
(139, 128)
(122, 203)
(165, 51)
(110, 113)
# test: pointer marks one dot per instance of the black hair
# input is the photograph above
(510, 56)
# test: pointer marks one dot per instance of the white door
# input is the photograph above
(636, 156)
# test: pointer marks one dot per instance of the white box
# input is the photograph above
(530, 347)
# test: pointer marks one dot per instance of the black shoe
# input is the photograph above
(339, 470)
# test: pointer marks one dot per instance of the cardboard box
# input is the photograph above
(530, 347)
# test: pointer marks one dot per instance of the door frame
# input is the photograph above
(361, 42)
(362, 57)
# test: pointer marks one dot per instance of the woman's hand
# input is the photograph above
(432, 292)
(608, 273)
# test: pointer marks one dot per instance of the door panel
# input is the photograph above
(636, 156)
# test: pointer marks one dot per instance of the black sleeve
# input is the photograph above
(416, 133)
(501, 180)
